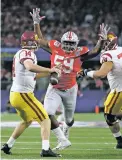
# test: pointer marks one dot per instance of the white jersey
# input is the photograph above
(23, 80)
(115, 75)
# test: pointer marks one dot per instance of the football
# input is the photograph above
(54, 78)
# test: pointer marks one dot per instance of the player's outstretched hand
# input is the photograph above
(103, 31)
(36, 17)
(83, 72)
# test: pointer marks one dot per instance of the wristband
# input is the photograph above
(90, 74)
(35, 22)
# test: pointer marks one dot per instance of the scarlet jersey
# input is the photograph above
(115, 75)
(23, 80)
(70, 66)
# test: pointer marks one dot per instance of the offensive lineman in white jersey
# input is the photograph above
(111, 60)
(21, 95)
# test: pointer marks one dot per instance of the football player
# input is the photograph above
(21, 95)
(111, 60)
(66, 90)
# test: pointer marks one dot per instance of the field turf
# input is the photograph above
(87, 143)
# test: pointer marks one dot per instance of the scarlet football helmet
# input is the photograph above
(69, 41)
(29, 40)
(111, 42)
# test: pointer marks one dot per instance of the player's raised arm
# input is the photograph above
(97, 49)
(36, 20)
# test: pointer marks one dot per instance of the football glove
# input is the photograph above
(36, 17)
(83, 72)
(103, 31)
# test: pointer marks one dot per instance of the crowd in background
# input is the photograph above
(81, 16)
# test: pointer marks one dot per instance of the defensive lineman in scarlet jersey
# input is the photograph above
(111, 60)
(66, 90)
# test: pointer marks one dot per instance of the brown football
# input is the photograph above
(54, 78)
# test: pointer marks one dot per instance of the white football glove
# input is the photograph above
(103, 31)
(36, 17)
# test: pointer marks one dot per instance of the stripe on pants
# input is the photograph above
(39, 110)
(31, 106)
(114, 102)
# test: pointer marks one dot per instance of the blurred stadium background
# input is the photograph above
(81, 16)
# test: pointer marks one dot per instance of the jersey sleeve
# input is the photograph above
(54, 44)
(105, 57)
(26, 54)
(84, 50)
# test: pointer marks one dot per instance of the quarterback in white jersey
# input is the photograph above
(23, 80)
(22, 97)
(111, 60)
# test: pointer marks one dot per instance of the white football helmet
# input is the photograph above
(69, 41)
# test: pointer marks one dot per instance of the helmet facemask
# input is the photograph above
(68, 46)
(30, 45)
(110, 43)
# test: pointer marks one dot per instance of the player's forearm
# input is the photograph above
(96, 74)
(96, 50)
(41, 75)
(43, 44)
(37, 30)
(99, 74)
(37, 68)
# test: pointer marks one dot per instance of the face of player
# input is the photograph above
(68, 46)
(30, 45)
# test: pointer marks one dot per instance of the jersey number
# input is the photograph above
(68, 64)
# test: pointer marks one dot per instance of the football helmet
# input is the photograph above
(111, 41)
(29, 40)
(69, 41)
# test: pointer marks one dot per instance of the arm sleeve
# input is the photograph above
(54, 44)
(106, 57)
(26, 54)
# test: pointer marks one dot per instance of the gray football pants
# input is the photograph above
(55, 97)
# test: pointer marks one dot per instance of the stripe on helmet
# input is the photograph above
(70, 35)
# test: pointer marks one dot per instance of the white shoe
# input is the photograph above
(62, 145)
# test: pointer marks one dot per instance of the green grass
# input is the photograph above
(78, 117)
(87, 143)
